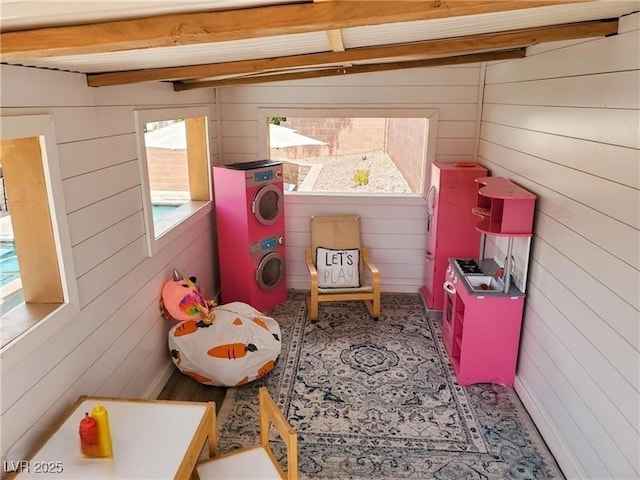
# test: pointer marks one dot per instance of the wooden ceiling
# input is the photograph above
(163, 40)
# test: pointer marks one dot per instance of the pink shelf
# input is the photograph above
(483, 212)
(458, 340)
(456, 363)
(500, 187)
(506, 209)
(496, 229)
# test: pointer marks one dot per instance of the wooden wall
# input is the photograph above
(564, 123)
(395, 228)
(117, 343)
(394, 231)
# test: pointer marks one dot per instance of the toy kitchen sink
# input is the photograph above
(480, 277)
(484, 283)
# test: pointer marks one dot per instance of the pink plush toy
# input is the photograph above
(182, 300)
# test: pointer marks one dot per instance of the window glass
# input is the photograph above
(367, 155)
(175, 169)
(167, 167)
(10, 281)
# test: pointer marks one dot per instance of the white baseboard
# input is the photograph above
(158, 383)
(556, 444)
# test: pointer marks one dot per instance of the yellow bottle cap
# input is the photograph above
(98, 410)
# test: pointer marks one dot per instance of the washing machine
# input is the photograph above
(249, 205)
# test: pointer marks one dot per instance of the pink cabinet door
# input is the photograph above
(489, 343)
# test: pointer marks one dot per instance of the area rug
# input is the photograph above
(379, 400)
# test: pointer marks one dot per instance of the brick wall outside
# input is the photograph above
(403, 139)
(344, 136)
(168, 170)
(406, 145)
(305, 151)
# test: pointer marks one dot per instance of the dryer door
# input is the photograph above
(267, 204)
(270, 271)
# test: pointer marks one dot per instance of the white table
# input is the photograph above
(151, 439)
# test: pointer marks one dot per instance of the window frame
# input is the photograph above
(431, 114)
(53, 317)
(175, 223)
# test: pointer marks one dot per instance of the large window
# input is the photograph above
(174, 164)
(37, 281)
(352, 151)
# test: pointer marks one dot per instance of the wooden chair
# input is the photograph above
(258, 461)
(341, 232)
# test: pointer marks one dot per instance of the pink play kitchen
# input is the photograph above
(479, 233)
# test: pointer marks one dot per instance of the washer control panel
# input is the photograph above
(258, 176)
(266, 244)
(263, 176)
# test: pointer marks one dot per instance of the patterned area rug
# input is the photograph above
(379, 400)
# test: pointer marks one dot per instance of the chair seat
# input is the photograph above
(251, 463)
(363, 289)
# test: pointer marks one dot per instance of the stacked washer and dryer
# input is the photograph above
(249, 200)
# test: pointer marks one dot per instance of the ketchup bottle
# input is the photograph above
(89, 436)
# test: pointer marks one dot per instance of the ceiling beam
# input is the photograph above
(335, 38)
(340, 71)
(224, 25)
(459, 45)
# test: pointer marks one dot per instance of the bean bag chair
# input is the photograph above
(239, 346)
(227, 345)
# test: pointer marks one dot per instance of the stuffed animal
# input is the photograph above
(227, 345)
(182, 300)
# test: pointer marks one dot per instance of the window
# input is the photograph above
(11, 294)
(354, 151)
(174, 165)
(38, 281)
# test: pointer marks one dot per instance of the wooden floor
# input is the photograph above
(181, 387)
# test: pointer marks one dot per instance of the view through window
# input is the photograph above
(37, 277)
(166, 151)
(174, 163)
(10, 281)
(29, 259)
(356, 154)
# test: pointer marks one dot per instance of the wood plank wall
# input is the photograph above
(395, 228)
(117, 344)
(565, 123)
(562, 122)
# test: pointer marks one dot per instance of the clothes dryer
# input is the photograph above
(249, 200)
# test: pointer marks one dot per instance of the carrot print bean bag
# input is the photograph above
(240, 345)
